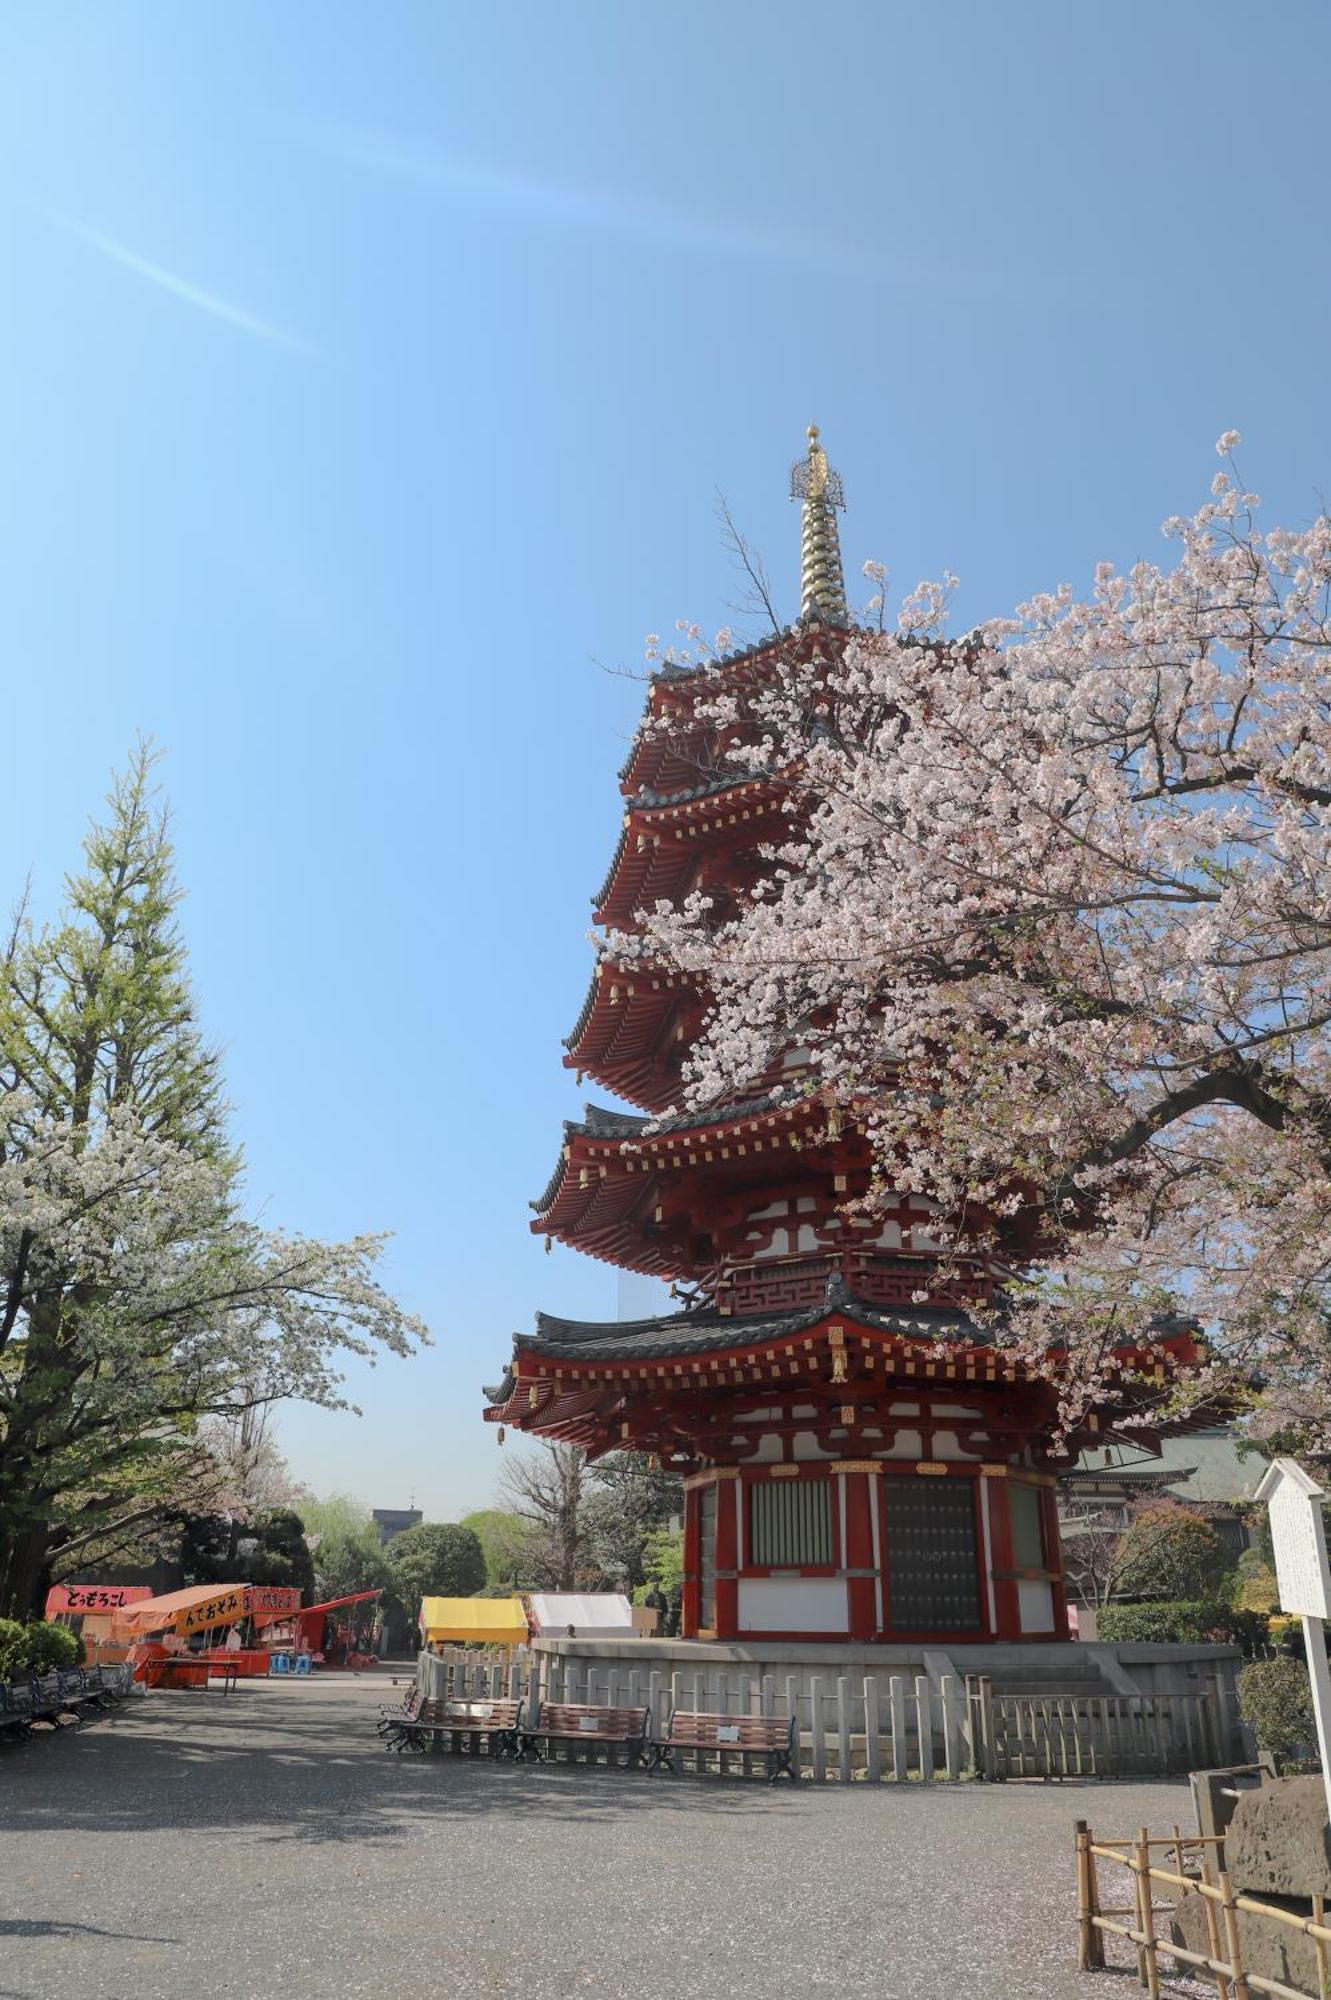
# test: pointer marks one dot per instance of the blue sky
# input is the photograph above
(370, 375)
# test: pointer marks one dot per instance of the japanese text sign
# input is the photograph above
(1298, 1537)
(273, 1600)
(224, 1609)
(86, 1597)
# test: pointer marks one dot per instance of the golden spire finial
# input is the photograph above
(822, 585)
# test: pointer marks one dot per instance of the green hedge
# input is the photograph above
(1186, 1622)
(36, 1648)
(1275, 1700)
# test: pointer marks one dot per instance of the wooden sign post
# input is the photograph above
(1298, 1537)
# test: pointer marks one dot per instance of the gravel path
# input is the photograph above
(264, 1845)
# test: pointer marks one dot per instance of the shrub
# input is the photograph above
(1275, 1700)
(11, 1649)
(35, 1648)
(1181, 1623)
(51, 1646)
(1186, 1622)
(1287, 1637)
(1255, 1584)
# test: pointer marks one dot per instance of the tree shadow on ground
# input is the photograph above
(311, 1768)
(316, 1773)
(35, 1927)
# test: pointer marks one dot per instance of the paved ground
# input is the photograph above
(264, 1847)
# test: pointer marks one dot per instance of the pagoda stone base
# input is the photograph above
(699, 1669)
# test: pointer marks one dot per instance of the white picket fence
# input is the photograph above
(877, 1730)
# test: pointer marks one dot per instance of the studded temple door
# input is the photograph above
(933, 1570)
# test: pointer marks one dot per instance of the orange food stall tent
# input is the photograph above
(202, 1608)
(205, 1607)
(209, 1607)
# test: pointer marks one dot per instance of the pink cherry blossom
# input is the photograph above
(1054, 920)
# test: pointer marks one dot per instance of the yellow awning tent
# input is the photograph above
(483, 1621)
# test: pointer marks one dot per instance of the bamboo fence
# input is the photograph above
(1197, 1867)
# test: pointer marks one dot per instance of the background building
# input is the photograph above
(392, 1521)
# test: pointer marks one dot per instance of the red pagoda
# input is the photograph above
(858, 1466)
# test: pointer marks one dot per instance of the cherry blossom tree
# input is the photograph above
(251, 1475)
(1054, 921)
(135, 1297)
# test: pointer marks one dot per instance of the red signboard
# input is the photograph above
(85, 1597)
(271, 1601)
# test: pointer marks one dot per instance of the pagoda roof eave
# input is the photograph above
(586, 1355)
(671, 673)
(676, 678)
(642, 850)
(710, 785)
(709, 1330)
(674, 673)
(617, 1036)
(634, 1132)
(597, 1342)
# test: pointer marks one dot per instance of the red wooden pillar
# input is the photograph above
(1002, 1561)
(1053, 1560)
(857, 1554)
(692, 1590)
(729, 1498)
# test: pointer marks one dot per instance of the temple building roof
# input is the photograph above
(600, 1122)
(705, 1330)
(658, 843)
(570, 1377)
(698, 1331)
(624, 1036)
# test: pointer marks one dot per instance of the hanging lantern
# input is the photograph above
(500, 1434)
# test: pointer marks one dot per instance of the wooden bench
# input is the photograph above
(96, 1692)
(16, 1708)
(56, 1701)
(583, 1723)
(407, 1711)
(493, 1721)
(769, 1736)
(111, 1684)
(77, 1692)
(59, 1699)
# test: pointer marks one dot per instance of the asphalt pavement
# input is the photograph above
(263, 1846)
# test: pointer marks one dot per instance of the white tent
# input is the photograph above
(603, 1615)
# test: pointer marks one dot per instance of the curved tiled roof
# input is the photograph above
(599, 1121)
(704, 1329)
(706, 787)
(714, 786)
